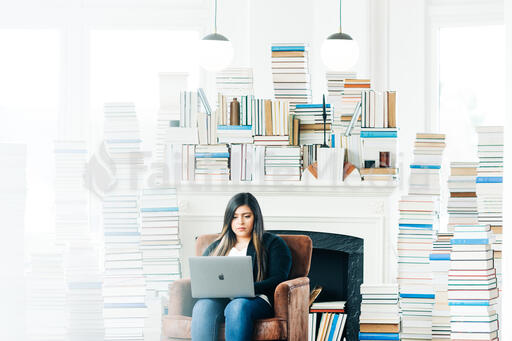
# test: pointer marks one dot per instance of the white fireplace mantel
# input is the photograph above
(363, 211)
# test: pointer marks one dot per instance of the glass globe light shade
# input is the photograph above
(215, 52)
(339, 52)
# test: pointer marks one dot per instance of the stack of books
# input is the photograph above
(380, 315)
(227, 134)
(311, 123)
(472, 285)
(489, 187)
(326, 321)
(47, 311)
(378, 109)
(425, 170)
(83, 277)
(211, 163)
(235, 83)
(160, 243)
(344, 101)
(282, 163)
(418, 219)
(124, 289)
(351, 97)
(290, 73)
(462, 203)
(122, 140)
(440, 262)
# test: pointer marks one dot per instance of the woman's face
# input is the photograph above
(243, 222)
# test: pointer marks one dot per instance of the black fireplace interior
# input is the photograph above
(329, 270)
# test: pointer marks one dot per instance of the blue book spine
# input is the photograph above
(211, 155)
(289, 48)
(418, 296)
(438, 256)
(333, 138)
(489, 179)
(379, 336)
(420, 226)
(298, 106)
(482, 241)
(425, 166)
(223, 127)
(378, 134)
(160, 209)
(475, 303)
(333, 327)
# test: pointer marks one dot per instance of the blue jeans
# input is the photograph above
(238, 313)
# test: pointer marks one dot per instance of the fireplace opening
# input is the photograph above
(329, 270)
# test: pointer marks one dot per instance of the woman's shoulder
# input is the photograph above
(273, 239)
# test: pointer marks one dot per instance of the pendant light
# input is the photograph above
(215, 50)
(339, 51)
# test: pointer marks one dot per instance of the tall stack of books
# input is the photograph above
(311, 123)
(343, 101)
(290, 73)
(425, 170)
(160, 243)
(13, 187)
(282, 163)
(418, 219)
(380, 315)
(462, 203)
(124, 289)
(327, 321)
(85, 299)
(350, 101)
(489, 187)
(234, 83)
(211, 163)
(47, 309)
(122, 140)
(440, 261)
(472, 285)
(83, 277)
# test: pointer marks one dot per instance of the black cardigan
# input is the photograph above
(279, 263)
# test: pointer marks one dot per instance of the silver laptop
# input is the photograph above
(214, 277)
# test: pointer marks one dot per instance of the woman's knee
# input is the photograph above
(237, 308)
(205, 306)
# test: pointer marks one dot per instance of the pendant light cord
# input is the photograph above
(216, 16)
(340, 15)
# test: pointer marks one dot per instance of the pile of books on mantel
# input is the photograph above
(290, 73)
(380, 315)
(327, 321)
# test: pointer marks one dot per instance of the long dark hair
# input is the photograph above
(228, 237)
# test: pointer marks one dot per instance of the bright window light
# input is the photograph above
(29, 108)
(472, 85)
(125, 65)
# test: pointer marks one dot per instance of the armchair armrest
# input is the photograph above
(180, 298)
(291, 302)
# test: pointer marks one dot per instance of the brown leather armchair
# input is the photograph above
(291, 299)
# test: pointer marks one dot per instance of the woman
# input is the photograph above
(243, 234)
